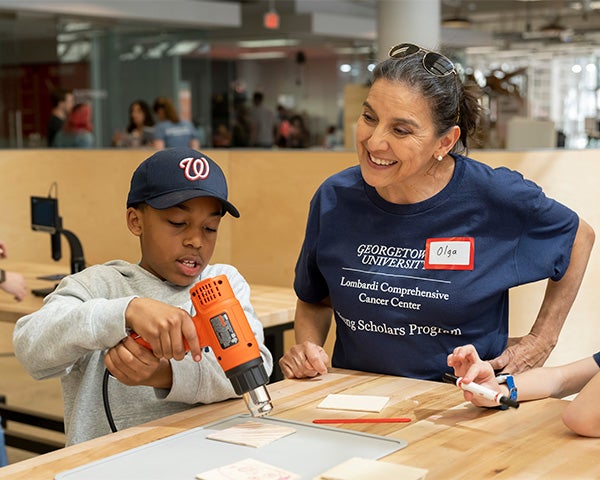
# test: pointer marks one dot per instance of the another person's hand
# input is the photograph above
(14, 284)
(522, 353)
(467, 364)
(304, 360)
(2, 249)
(117, 139)
(164, 327)
(132, 364)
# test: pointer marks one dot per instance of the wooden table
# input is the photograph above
(448, 437)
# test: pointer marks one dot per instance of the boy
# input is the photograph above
(582, 415)
(175, 204)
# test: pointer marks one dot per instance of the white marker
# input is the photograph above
(480, 390)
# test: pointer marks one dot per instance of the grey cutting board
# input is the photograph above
(311, 450)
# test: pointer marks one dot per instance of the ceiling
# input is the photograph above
(316, 27)
(501, 24)
(513, 23)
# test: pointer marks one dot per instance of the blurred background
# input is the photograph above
(535, 60)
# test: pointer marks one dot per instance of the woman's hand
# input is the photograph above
(522, 354)
(304, 360)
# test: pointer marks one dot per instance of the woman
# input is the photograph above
(170, 130)
(77, 132)
(140, 131)
(415, 249)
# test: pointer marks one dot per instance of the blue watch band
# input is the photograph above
(510, 383)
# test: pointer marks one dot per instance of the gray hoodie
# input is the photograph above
(85, 316)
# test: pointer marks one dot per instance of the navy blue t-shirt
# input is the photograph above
(597, 358)
(409, 283)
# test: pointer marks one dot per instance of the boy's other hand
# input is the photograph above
(164, 327)
(133, 364)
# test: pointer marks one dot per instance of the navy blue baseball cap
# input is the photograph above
(175, 175)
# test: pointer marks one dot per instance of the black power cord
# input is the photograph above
(109, 416)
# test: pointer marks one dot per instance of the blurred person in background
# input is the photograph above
(170, 130)
(62, 104)
(77, 132)
(140, 130)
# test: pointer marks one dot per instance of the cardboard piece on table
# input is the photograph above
(366, 469)
(247, 469)
(252, 434)
(362, 403)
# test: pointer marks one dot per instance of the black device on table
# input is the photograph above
(45, 218)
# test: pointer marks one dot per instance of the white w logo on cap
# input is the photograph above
(194, 168)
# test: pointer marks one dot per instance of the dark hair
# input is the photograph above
(58, 95)
(258, 97)
(169, 108)
(450, 102)
(148, 119)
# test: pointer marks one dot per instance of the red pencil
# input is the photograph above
(362, 420)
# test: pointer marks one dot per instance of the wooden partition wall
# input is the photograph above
(272, 190)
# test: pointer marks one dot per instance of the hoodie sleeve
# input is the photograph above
(70, 325)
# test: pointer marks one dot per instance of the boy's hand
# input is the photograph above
(163, 327)
(132, 364)
(304, 360)
(471, 368)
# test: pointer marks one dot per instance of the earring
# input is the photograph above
(439, 158)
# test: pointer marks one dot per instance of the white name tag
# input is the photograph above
(454, 253)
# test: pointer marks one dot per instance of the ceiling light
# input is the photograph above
(279, 42)
(271, 18)
(457, 22)
(184, 47)
(261, 55)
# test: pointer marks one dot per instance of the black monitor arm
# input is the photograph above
(77, 260)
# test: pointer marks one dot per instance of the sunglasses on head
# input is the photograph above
(435, 63)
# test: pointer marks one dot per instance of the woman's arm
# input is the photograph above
(533, 349)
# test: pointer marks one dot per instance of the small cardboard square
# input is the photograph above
(252, 434)
(366, 469)
(248, 469)
(361, 403)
